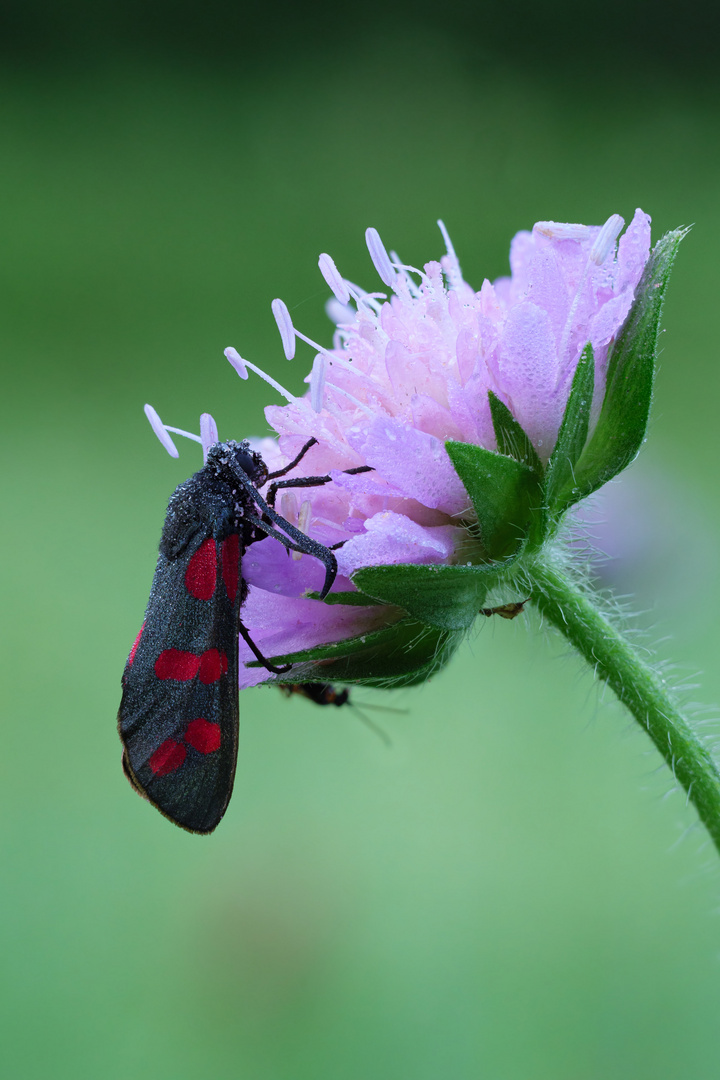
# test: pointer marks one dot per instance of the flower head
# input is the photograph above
(419, 409)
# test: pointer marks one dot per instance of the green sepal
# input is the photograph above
(348, 599)
(510, 436)
(334, 649)
(624, 415)
(504, 493)
(446, 597)
(403, 654)
(561, 489)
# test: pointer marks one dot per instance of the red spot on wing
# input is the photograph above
(168, 757)
(131, 657)
(201, 573)
(203, 735)
(213, 664)
(176, 664)
(231, 565)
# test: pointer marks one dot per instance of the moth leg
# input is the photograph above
(309, 481)
(263, 659)
(295, 461)
(299, 542)
(302, 542)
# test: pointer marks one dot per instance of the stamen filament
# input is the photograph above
(317, 382)
(185, 434)
(241, 365)
(361, 405)
(161, 431)
(285, 326)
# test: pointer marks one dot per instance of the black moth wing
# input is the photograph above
(178, 717)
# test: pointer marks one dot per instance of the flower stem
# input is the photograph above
(571, 610)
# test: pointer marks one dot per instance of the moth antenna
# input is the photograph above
(382, 735)
(384, 708)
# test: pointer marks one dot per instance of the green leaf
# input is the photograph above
(403, 654)
(510, 436)
(349, 599)
(504, 492)
(631, 373)
(561, 490)
(446, 597)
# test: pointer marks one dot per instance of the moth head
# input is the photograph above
(237, 457)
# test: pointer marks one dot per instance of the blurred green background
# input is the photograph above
(506, 893)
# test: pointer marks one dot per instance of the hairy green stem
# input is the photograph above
(572, 611)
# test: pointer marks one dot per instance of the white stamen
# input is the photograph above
(404, 275)
(339, 313)
(317, 382)
(208, 433)
(285, 326)
(370, 300)
(455, 273)
(241, 365)
(237, 362)
(330, 272)
(446, 238)
(361, 405)
(330, 524)
(605, 240)
(603, 243)
(380, 257)
(303, 522)
(336, 358)
(289, 507)
(160, 430)
(556, 230)
(185, 434)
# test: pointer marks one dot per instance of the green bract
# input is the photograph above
(402, 654)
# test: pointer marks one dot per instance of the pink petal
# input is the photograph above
(280, 625)
(528, 367)
(392, 538)
(414, 462)
(267, 565)
(633, 251)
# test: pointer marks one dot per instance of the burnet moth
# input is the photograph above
(178, 717)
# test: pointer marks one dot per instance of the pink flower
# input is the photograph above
(409, 369)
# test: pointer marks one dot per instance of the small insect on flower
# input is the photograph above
(178, 717)
(505, 611)
(327, 694)
(318, 692)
